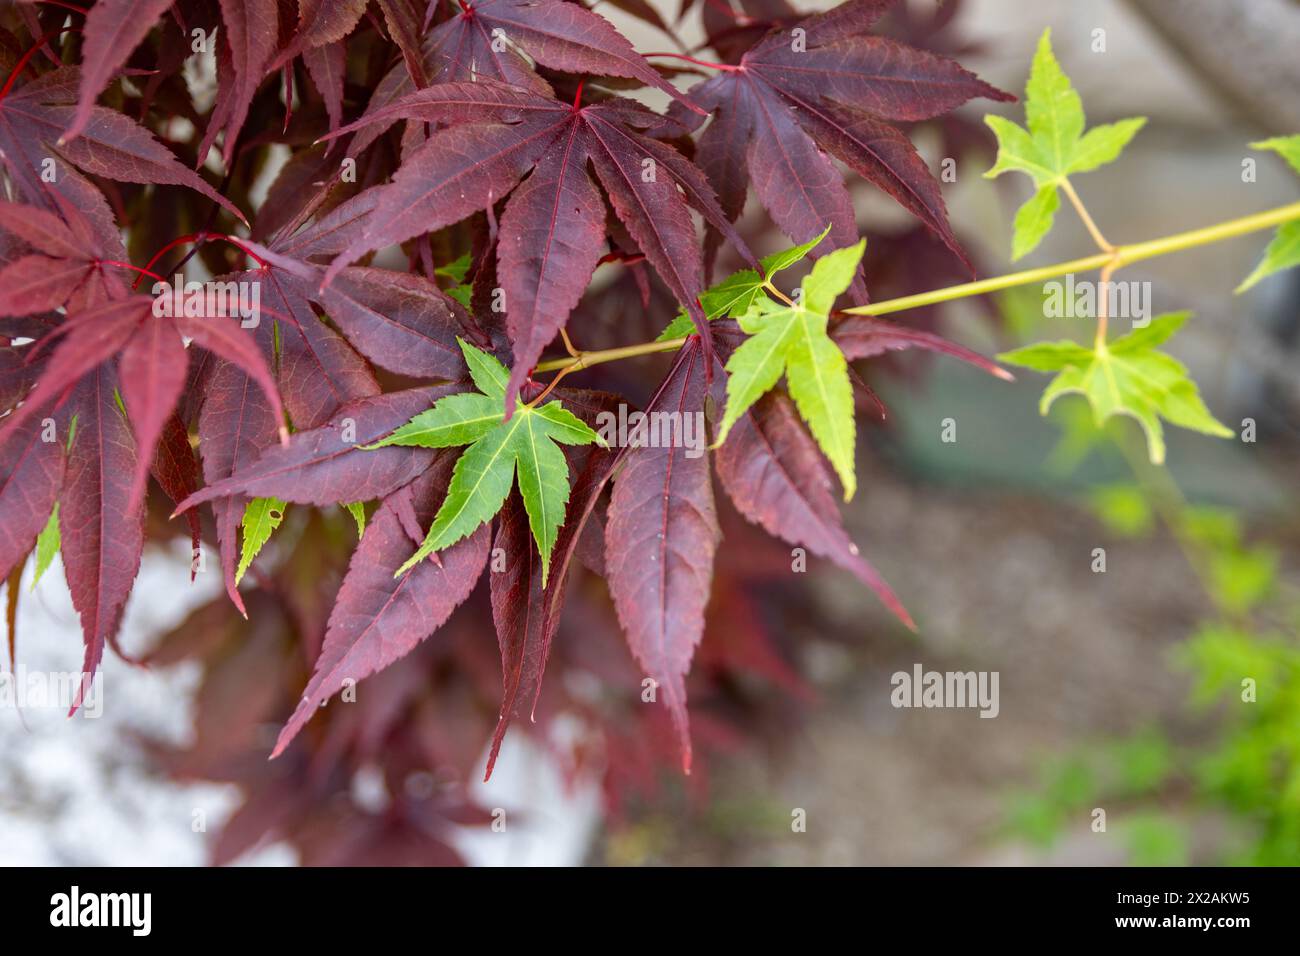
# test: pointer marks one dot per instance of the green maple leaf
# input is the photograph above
(1128, 376)
(1284, 251)
(358, 511)
(792, 339)
(733, 296)
(499, 450)
(1054, 146)
(261, 517)
(48, 543)
(456, 270)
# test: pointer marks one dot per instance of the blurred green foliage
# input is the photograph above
(1235, 779)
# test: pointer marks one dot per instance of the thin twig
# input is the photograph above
(1082, 210)
(1120, 256)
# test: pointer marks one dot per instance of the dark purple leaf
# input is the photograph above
(17, 375)
(403, 19)
(333, 232)
(43, 231)
(660, 539)
(775, 475)
(860, 336)
(38, 284)
(90, 338)
(379, 618)
(399, 321)
(176, 469)
(249, 42)
(562, 36)
(67, 269)
(550, 241)
(31, 474)
(33, 117)
(113, 29)
(324, 466)
(102, 536)
(321, 23)
(223, 336)
(527, 616)
(832, 87)
(153, 367)
(236, 421)
(317, 370)
(546, 248)
(328, 67)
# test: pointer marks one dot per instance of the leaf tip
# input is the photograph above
(1248, 283)
(411, 562)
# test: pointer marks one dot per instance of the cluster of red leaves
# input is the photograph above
(491, 132)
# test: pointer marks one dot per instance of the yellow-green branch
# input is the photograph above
(1120, 256)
